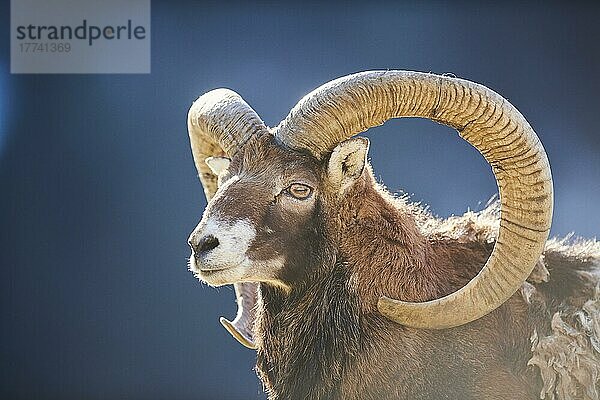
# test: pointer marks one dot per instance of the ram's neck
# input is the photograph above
(306, 337)
(395, 251)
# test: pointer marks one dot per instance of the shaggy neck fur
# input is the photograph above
(310, 340)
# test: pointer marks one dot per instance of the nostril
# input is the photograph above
(207, 244)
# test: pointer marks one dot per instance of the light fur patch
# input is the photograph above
(234, 241)
(540, 273)
(234, 238)
(569, 358)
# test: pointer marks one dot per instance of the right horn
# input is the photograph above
(349, 105)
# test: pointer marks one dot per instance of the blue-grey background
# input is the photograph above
(98, 191)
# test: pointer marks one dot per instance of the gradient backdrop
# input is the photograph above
(98, 191)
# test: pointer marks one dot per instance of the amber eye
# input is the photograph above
(299, 191)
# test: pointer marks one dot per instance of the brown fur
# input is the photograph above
(322, 337)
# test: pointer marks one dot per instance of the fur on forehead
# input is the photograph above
(264, 153)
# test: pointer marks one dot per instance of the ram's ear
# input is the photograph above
(347, 162)
(218, 165)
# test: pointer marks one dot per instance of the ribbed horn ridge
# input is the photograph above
(349, 105)
(219, 122)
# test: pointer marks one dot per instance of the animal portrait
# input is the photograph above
(256, 200)
(346, 291)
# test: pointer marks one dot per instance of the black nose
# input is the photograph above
(205, 245)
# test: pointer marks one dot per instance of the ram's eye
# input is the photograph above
(300, 191)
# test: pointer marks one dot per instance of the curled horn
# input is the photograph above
(219, 123)
(347, 106)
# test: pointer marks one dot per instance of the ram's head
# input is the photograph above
(275, 194)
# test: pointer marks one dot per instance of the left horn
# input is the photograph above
(219, 123)
(347, 106)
